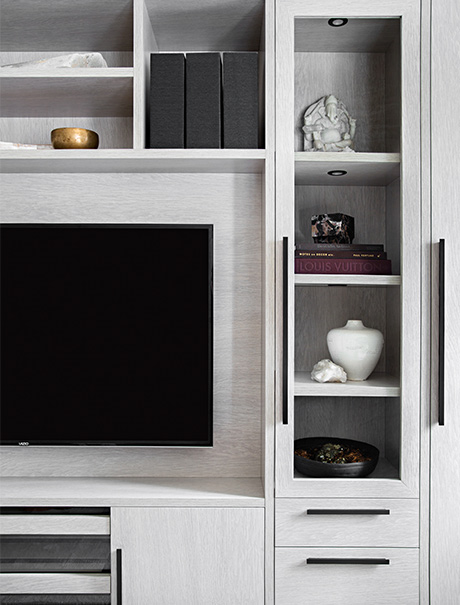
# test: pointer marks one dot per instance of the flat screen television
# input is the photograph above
(106, 334)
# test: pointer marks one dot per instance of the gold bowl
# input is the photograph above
(74, 138)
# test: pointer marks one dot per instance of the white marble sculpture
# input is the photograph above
(328, 126)
(327, 371)
(73, 60)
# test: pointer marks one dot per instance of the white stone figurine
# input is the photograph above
(73, 60)
(328, 126)
(327, 371)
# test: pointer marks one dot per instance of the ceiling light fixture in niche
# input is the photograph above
(337, 172)
(337, 22)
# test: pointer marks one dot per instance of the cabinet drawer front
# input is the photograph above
(55, 524)
(361, 576)
(60, 583)
(333, 522)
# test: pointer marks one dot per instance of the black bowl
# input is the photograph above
(312, 468)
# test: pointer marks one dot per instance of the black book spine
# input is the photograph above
(167, 100)
(240, 100)
(203, 100)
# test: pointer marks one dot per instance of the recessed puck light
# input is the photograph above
(337, 172)
(337, 22)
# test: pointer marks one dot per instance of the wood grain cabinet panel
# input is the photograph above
(172, 556)
(54, 583)
(444, 428)
(350, 522)
(363, 576)
(55, 524)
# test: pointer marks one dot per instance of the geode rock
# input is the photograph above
(72, 60)
(327, 371)
(333, 228)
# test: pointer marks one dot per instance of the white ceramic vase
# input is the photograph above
(356, 348)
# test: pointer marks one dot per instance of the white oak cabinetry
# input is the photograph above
(343, 538)
(190, 555)
(55, 553)
(443, 424)
(203, 526)
(169, 541)
(124, 182)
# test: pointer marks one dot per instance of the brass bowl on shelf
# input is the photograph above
(74, 138)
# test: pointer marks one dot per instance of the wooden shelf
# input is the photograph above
(247, 161)
(135, 491)
(307, 279)
(370, 169)
(96, 92)
(378, 385)
(63, 73)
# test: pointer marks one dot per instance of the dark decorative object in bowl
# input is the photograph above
(334, 457)
(333, 228)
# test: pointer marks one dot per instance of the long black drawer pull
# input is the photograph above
(313, 561)
(119, 573)
(348, 511)
(441, 331)
(285, 327)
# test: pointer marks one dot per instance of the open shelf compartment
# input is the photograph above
(359, 64)
(174, 27)
(35, 102)
(374, 421)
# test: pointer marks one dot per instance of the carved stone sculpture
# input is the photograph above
(328, 126)
(73, 60)
(327, 371)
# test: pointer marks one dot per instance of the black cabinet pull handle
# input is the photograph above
(119, 572)
(350, 511)
(285, 327)
(441, 331)
(321, 561)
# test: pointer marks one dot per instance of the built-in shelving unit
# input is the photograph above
(362, 64)
(123, 181)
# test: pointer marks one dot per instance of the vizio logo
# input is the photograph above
(23, 443)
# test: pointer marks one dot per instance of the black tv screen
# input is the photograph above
(106, 334)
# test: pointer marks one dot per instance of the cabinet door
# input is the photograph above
(198, 556)
(445, 438)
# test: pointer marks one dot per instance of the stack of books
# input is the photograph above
(356, 259)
